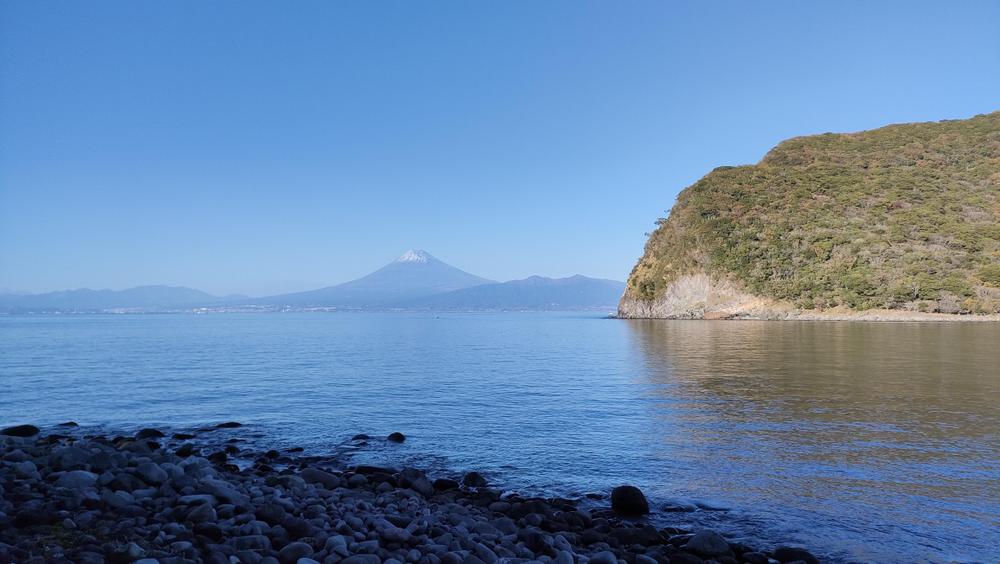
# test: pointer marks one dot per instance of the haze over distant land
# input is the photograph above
(226, 145)
(414, 281)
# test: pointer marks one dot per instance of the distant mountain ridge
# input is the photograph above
(414, 281)
(532, 293)
(85, 299)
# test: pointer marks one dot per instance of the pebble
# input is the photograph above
(325, 479)
(292, 552)
(151, 473)
(169, 504)
(202, 513)
(606, 557)
(362, 559)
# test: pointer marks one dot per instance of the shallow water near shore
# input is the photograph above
(862, 442)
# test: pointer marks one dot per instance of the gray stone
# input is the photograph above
(195, 499)
(16, 455)
(629, 501)
(505, 525)
(224, 492)
(134, 551)
(291, 553)
(181, 546)
(500, 507)
(151, 473)
(321, 477)
(249, 557)
(362, 559)
(28, 470)
(77, 480)
(794, 554)
(70, 458)
(394, 534)
(707, 544)
(367, 547)
(485, 553)
(754, 558)
(606, 557)
(251, 542)
(337, 544)
(474, 480)
(566, 557)
(202, 513)
(417, 481)
(117, 500)
(20, 431)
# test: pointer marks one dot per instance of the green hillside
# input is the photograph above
(902, 217)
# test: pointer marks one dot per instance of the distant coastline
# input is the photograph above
(768, 310)
(870, 316)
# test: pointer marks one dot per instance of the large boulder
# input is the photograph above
(321, 477)
(416, 481)
(793, 554)
(70, 458)
(707, 544)
(145, 434)
(629, 501)
(20, 431)
(474, 480)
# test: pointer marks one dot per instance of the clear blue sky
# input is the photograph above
(262, 147)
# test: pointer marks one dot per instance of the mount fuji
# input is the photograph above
(415, 274)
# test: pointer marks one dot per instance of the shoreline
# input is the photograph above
(648, 312)
(153, 497)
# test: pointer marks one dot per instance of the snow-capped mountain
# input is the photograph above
(413, 275)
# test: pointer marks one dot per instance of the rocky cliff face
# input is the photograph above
(905, 218)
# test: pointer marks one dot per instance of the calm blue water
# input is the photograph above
(869, 442)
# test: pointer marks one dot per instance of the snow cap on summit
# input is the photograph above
(415, 255)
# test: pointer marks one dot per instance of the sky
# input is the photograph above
(266, 147)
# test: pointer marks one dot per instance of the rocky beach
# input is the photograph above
(152, 496)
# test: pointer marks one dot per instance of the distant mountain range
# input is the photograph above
(414, 281)
(533, 293)
(141, 297)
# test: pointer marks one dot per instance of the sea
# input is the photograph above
(863, 442)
